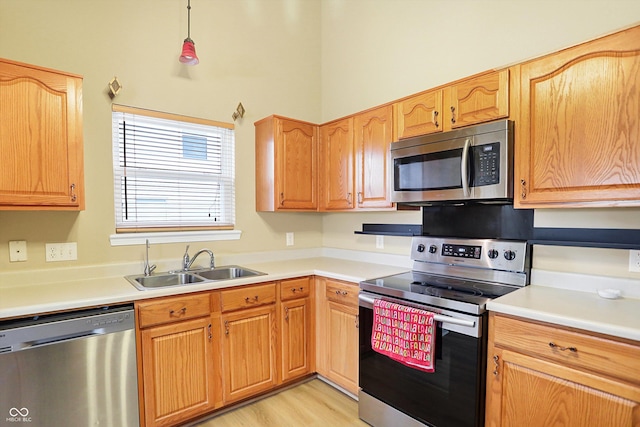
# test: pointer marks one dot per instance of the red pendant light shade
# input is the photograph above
(188, 55)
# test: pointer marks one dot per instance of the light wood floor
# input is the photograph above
(311, 404)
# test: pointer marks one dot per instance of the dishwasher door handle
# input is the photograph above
(55, 340)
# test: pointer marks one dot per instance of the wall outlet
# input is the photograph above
(17, 250)
(289, 239)
(61, 251)
(634, 260)
(379, 242)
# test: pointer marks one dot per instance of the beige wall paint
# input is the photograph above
(265, 54)
(375, 51)
(314, 60)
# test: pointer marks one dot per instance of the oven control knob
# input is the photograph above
(433, 249)
(509, 255)
(420, 248)
(493, 254)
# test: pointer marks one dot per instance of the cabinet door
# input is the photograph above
(478, 99)
(540, 393)
(373, 136)
(336, 159)
(178, 371)
(577, 137)
(41, 158)
(296, 165)
(342, 345)
(419, 115)
(248, 352)
(296, 338)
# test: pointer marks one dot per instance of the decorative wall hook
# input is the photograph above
(239, 112)
(114, 87)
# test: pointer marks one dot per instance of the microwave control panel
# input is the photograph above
(486, 164)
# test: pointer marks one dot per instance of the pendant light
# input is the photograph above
(188, 55)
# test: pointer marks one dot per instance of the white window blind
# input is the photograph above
(171, 172)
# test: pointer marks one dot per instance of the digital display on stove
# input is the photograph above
(461, 251)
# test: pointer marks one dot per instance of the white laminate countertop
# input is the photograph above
(32, 299)
(580, 309)
(577, 309)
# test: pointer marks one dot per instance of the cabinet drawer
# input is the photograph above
(342, 293)
(295, 288)
(248, 296)
(613, 358)
(173, 309)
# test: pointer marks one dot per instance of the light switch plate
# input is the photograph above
(61, 251)
(290, 239)
(17, 250)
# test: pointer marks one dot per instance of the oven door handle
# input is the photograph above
(368, 303)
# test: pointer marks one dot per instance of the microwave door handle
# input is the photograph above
(464, 168)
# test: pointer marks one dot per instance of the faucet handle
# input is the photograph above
(185, 259)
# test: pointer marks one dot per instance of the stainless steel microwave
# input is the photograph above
(472, 164)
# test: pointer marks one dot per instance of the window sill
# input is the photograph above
(127, 239)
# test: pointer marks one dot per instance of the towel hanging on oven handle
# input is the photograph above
(438, 317)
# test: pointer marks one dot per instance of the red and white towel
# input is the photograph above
(405, 334)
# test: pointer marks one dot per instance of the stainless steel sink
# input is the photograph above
(227, 272)
(168, 279)
(164, 280)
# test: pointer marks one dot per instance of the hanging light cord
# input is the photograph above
(189, 20)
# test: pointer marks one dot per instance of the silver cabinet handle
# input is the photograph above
(248, 300)
(496, 358)
(226, 327)
(180, 312)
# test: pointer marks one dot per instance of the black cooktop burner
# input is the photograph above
(445, 291)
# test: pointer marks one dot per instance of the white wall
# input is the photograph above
(375, 51)
(310, 59)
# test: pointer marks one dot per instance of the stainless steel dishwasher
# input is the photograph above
(69, 369)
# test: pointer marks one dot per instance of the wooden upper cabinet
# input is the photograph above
(577, 137)
(354, 161)
(337, 165)
(41, 157)
(478, 99)
(286, 165)
(420, 114)
(373, 136)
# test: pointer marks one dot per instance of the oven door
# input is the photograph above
(452, 396)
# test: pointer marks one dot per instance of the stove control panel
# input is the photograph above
(494, 254)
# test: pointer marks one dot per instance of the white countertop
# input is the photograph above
(573, 306)
(578, 309)
(27, 300)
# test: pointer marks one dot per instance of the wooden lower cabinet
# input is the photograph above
(542, 375)
(248, 350)
(177, 360)
(199, 352)
(337, 356)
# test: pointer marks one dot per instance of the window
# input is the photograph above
(171, 172)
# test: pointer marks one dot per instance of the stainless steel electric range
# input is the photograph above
(453, 278)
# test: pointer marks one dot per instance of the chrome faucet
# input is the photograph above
(188, 262)
(148, 269)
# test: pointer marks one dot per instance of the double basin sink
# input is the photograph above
(183, 278)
